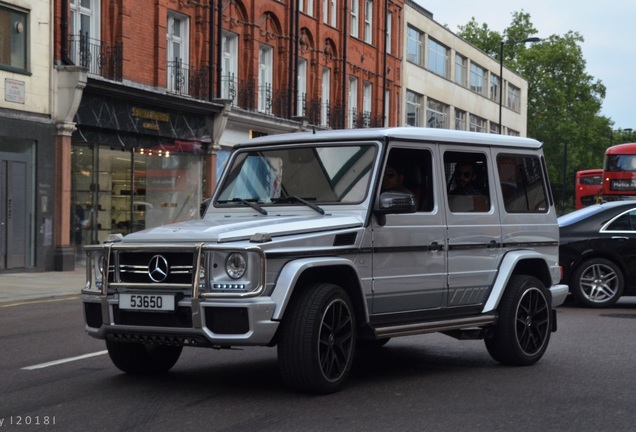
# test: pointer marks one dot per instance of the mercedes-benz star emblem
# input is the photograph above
(158, 268)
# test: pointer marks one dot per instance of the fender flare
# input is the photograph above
(506, 270)
(291, 272)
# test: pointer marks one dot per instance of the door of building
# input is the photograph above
(13, 213)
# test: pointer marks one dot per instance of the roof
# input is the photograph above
(399, 133)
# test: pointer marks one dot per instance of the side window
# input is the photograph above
(467, 181)
(410, 170)
(522, 184)
(625, 222)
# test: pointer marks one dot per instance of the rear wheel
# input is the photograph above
(317, 340)
(138, 358)
(523, 329)
(597, 283)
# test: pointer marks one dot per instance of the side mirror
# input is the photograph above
(395, 202)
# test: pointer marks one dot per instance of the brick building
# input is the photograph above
(158, 92)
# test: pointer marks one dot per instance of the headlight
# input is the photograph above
(235, 265)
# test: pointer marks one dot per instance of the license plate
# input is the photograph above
(146, 302)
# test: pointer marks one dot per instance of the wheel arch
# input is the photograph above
(300, 274)
(529, 263)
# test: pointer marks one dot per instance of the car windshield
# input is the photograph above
(299, 175)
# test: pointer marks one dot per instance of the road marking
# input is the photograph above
(26, 302)
(66, 360)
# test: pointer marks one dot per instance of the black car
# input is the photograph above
(598, 252)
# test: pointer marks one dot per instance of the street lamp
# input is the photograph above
(501, 81)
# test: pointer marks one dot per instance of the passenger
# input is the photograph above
(465, 178)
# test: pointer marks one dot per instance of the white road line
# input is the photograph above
(66, 360)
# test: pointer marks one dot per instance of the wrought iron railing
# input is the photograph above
(100, 58)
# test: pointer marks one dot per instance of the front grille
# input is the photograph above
(137, 267)
(180, 318)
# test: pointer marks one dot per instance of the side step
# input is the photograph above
(435, 326)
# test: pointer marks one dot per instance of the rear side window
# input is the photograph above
(522, 184)
(467, 182)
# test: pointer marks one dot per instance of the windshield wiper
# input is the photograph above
(253, 202)
(305, 201)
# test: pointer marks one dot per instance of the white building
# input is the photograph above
(449, 83)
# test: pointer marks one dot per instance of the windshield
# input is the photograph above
(321, 175)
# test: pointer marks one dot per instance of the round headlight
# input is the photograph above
(235, 265)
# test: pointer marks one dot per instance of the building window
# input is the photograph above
(301, 101)
(353, 102)
(84, 21)
(265, 74)
(413, 108)
(495, 87)
(494, 128)
(514, 98)
(414, 43)
(177, 53)
(512, 132)
(229, 67)
(366, 104)
(460, 70)
(477, 79)
(333, 13)
(477, 124)
(460, 119)
(436, 114)
(355, 12)
(389, 30)
(13, 39)
(326, 89)
(437, 59)
(368, 21)
(306, 6)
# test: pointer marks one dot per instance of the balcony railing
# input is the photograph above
(186, 81)
(100, 58)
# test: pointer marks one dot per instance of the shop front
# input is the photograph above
(136, 165)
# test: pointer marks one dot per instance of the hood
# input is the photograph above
(236, 229)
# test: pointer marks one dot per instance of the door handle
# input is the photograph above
(434, 247)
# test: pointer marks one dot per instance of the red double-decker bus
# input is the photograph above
(619, 172)
(588, 187)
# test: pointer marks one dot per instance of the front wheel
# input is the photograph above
(523, 329)
(317, 340)
(138, 358)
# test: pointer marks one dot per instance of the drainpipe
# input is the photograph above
(345, 38)
(219, 48)
(384, 71)
(64, 42)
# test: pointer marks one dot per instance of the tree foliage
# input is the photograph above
(564, 101)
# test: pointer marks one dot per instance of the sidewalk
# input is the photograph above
(20, 287)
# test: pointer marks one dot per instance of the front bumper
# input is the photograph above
(205, 323)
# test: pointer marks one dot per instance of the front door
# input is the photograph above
(409, 253)
(13, 214)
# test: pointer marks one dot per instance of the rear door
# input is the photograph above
(474, 230)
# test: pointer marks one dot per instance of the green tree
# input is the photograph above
(564, 101)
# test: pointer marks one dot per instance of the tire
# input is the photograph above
(140, 359)
(317, 340)
(523, 329)
(597, 283)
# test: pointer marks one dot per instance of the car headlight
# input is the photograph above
(235, 265)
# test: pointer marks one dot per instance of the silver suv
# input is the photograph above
(326, 243)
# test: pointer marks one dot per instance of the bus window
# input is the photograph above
(588, 187)
(619, 172)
